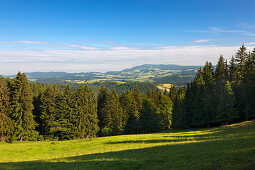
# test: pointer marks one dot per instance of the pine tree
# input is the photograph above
(225, 106)
(93, 127)
(105, 101)
(179, 110)
(64, 113)
(199, 78)
(173, 93)
(135, 108)
(22, 106)
(117, 115)
(6, 125)
(208, 74)
(247, 88)
(80, 118)
(240, 59)
(126, 105)
(232, 71)
(150, 120)
(48, 111)
(164, 110)
(221, 70)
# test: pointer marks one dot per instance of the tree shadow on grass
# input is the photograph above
(148, 141)
(229, 154)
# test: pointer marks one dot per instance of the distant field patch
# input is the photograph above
(164, 87)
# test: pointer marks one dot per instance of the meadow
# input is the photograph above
(225, 147)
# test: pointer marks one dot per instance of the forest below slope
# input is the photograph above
(36, 111)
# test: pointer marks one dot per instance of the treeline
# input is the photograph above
(31, 111)
(218, 96)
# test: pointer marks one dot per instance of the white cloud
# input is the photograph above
(30, 42)
(79, 46)
(217, 30)
(43, 43)
(250, 43)
(202, 40)
(76, 60)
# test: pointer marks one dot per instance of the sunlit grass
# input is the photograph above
(226, 147)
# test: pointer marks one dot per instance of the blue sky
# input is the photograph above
(103, 35)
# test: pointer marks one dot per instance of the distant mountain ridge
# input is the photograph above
(156, 73)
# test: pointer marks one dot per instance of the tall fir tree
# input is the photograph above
(21, 108)
(6, 125)
(104, 112)
(85, 116)
(48, 111)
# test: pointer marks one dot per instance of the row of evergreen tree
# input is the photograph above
(218, 95)
(44, 111)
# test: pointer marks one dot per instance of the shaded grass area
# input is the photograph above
(227, 147)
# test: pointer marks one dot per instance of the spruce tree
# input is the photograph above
(6, 125)
(173, 93)
(220, 72)
(135, 108)
(48, 111)
(164, 110)
(105, 101)
(117, 114)
(22, 106)
(240, 59)
(93, 127)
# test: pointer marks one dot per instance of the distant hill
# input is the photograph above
(160, 73)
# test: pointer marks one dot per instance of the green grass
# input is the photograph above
(226, 147)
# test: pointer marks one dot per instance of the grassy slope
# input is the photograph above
(227, 147)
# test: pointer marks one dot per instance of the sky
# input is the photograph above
(109, 35)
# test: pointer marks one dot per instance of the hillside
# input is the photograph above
(226, 147)
(172, 74)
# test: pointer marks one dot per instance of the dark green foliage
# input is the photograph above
(173, 93)
(150, 120)
(48, 111)
(134, 111)
(85, 116)
(21, 108)
(110, 113)
(6, 125)
(218, 97)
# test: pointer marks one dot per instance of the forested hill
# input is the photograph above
(172, 74)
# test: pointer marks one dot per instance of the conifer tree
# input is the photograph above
(48, 111)
(240, 59)
(117, 115)
(93, 127)
(225, 106)
(21, 106)
(179, 110)
(64, 113)
(221, 70)
(232, 71)
(164, 110)
(173, 93)
(105, 101)
(150, 120)
(126, 105)
(6, 125)
(135, 104)
(80, 118)
(85, 119)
